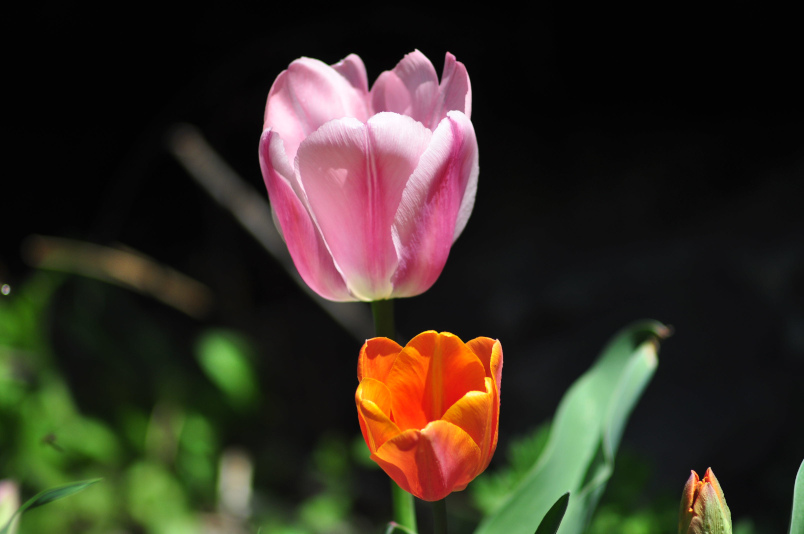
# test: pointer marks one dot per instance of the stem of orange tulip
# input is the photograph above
(440, 516)
(403, 504)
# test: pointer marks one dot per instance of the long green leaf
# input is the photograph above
(586, 431)
(552, 519)
(50, 495)
(797, 518)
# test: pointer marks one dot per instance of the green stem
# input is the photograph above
(383, 311)
(440, 516)
(404, 508)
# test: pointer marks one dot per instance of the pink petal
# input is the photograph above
(435, 205)
(352, 68)
(353, 175)
(310, 93)
(304, 242)
(455, 91)
(410, 89)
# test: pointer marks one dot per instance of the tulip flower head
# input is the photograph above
(703, 507)
(429, 411)
(369, 189)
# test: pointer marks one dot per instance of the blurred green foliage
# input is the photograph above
(46, 441)
(9, 518)
(160, 415)
(225, 358)
(157, 441)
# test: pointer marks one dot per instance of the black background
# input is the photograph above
(634, 163)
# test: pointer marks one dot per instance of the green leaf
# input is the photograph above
(552, 519)
(797, 518)
(586, 431)
(490, 491)
(53, 494)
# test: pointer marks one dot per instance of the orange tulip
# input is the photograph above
(429, 412)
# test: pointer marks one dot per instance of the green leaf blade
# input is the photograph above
(586, 431)
(50, 495)
(54, 494)
(552, 519)
(797, 516)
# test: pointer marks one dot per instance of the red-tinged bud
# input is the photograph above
(703, 507)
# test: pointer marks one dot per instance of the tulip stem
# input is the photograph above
(383, 311)
(404, 508)
(403, 504)
(440, 516)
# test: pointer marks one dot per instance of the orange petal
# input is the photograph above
(373, 402)
(375, 391)
(490, 353)
(376, 358)
(431, 373)
(431, 463)
(475, 413)
(376, 426)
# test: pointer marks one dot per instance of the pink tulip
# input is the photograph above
(370, 188)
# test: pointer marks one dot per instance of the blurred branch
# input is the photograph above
(235, 491)
(125, 268)
(252, 211)
(235, 481)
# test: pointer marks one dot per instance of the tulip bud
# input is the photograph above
(703, 507)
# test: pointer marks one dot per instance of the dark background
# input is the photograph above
(634, 163)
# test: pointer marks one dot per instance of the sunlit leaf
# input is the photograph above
(585, 434)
